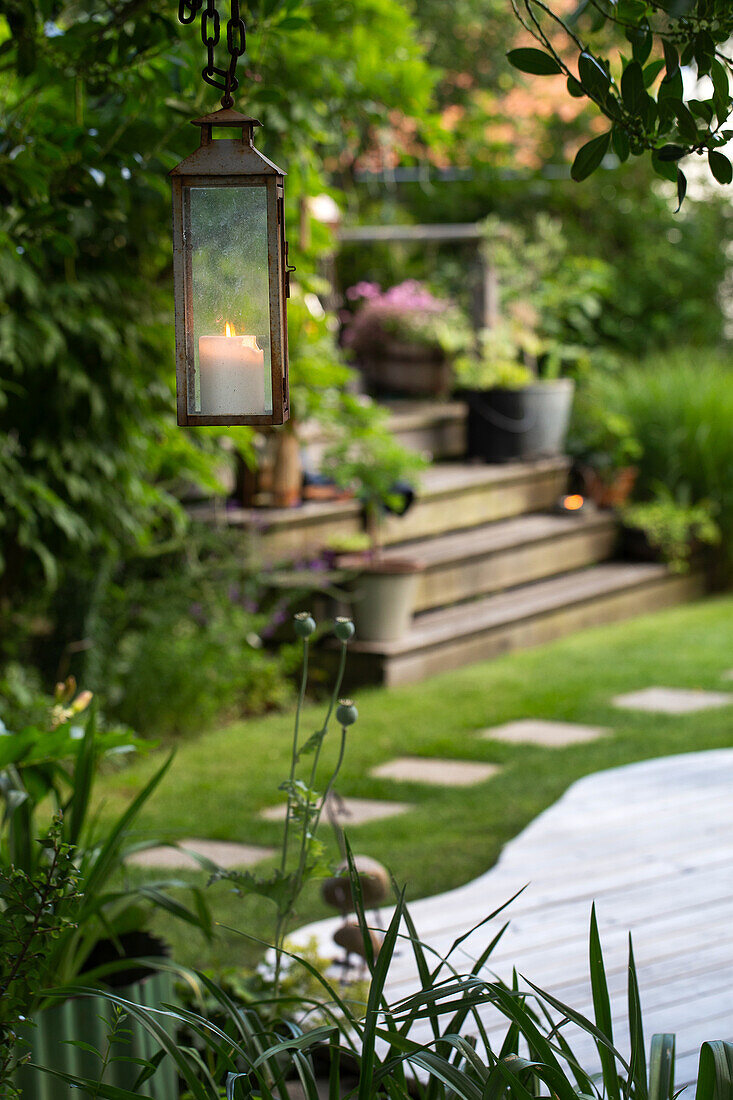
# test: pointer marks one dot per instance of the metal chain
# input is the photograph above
(236, 36)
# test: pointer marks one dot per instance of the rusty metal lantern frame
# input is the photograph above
(230, 163)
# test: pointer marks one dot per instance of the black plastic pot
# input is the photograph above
(507, 425)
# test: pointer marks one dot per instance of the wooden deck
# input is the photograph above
(652, 845)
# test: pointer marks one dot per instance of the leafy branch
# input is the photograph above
(642, 93)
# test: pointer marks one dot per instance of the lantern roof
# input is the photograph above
(226, 157)
(226, 116)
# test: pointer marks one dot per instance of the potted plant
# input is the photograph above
(513, 413)
(405, 338)
(606, 452)
(666, 528)
(369, 459)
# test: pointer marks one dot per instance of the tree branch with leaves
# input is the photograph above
(641, 89)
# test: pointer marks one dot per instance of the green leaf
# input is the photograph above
(590, 157)
(686, 124)
(720, 166)
(715, 1075)
(636, 1031)
(641, 40)
(671, 59)
(536, 62)
(593, 76)
(661, 1067)
(681, 188)
(602, 1009)
(620, 141)
(629, 11)
(671, 153)
(575, 88)
(633, 91)
(652, 71)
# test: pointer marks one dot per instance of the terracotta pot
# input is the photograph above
(611, 493)
(384, 597)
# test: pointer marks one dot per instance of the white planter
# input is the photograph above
(384, 598)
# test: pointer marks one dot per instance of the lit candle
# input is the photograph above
(232, 374)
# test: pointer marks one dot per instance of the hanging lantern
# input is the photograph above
(230, 257)
(231, 279)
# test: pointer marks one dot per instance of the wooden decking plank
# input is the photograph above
(672, 886)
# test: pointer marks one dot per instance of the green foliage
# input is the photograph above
(374, 1046)
(674, 529)
(319, 375)
(88, 452)
(176, 640)
(95, 102)
(55, 766)
(680, 407)
(549, 294)
(601, 437)
(367, 458)
(36, 907)
(498, 364)
(641, 91)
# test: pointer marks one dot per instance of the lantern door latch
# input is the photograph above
(289, 268)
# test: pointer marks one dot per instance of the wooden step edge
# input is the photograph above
(472, 479)
(625, 578)
(569, 527)
(444, 479)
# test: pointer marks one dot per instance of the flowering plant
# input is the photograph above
(408, 312)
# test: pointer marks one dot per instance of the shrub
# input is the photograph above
(176, 641)
(679, 406)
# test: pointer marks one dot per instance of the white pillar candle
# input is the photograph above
(232, 375)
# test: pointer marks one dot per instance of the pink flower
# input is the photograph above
(363, 289)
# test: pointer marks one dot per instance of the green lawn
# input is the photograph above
(220, 780)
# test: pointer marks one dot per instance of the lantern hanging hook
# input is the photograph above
(236, 42)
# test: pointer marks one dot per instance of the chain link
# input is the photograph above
(236, 36)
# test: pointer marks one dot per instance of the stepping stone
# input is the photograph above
(537, 731)
(660, 700)
(348, 811)
(727, 675)
(223, 852)
(438, 773)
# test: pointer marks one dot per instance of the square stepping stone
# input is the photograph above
(223, 852)
(438, 773)
(537, 731)
(661, 700)
(349, 811)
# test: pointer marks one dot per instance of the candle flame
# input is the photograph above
(573, 502)
(229, 330)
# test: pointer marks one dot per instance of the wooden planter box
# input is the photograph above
(408, 369)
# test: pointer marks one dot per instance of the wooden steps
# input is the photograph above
(435, 428)
(461, 565)
(502, 569)
(452, 496)
(523, 616)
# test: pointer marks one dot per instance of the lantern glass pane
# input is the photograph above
(230, 350)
